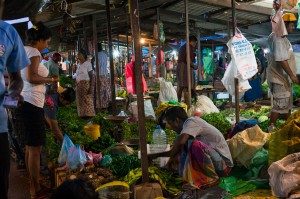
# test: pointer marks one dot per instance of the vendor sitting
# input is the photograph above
(200, 153)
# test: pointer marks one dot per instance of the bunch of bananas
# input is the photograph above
(166, 179)
(121, 93)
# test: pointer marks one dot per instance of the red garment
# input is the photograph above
(130, 78)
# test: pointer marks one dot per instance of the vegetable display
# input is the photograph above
(219, 121)
(169, 181)
(122, 164)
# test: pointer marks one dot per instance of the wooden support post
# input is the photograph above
(135, 28)
(159, 45)
(112, 69)
(200, 77)
(98, 82)
(188, 61)
(149, 59)
(236, 81)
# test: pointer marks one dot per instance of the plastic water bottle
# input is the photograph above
(271, 128)
(122, 113)
(159, 139)
(159, 143)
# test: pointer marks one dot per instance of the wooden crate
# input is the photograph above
(60, 175)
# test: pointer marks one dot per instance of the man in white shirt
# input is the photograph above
(200, 151)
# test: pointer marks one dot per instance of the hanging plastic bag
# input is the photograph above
(228, 80)
(130, 78)
(167, 92)
(243, 55)
(76, 157)
(63, 155)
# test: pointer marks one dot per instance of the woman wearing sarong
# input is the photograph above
(200, 153)
(84, 87)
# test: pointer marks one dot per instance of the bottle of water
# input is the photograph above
(271, 128)
(122, 113)
(159, 139)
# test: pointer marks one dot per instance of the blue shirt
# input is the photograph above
(12, 56)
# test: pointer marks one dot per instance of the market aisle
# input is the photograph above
(18, 183)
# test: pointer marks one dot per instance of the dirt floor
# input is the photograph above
(18, 183)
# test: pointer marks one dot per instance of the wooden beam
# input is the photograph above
(239, 6)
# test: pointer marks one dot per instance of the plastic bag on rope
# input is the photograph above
(243, 55)
(228, 80)
(285, 177)
(63, 154)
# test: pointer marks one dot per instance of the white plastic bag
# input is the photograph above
(149, 111)
(243, 55)
(285, 176)
(228, 80)
(167, 92)
(203, 105)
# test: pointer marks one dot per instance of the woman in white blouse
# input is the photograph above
(84, 87)
(30, 123)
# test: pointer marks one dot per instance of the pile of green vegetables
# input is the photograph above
(122, 164)
(130, 131)
(219, 121)
(65, 81)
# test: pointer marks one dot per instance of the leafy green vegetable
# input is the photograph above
(219, 121)
(296, 91)
(122, 164)
(64, 81)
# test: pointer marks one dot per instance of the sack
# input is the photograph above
(149, 111)
(243, 55)
(204, 105)
(167, 92)
(285, 139)
(63, 154)
(228, 80)
(76, 157)
(285, 176)
(244, 145)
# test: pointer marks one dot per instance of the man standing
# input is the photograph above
(14, 58)
(281, 69)
(182, 78)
